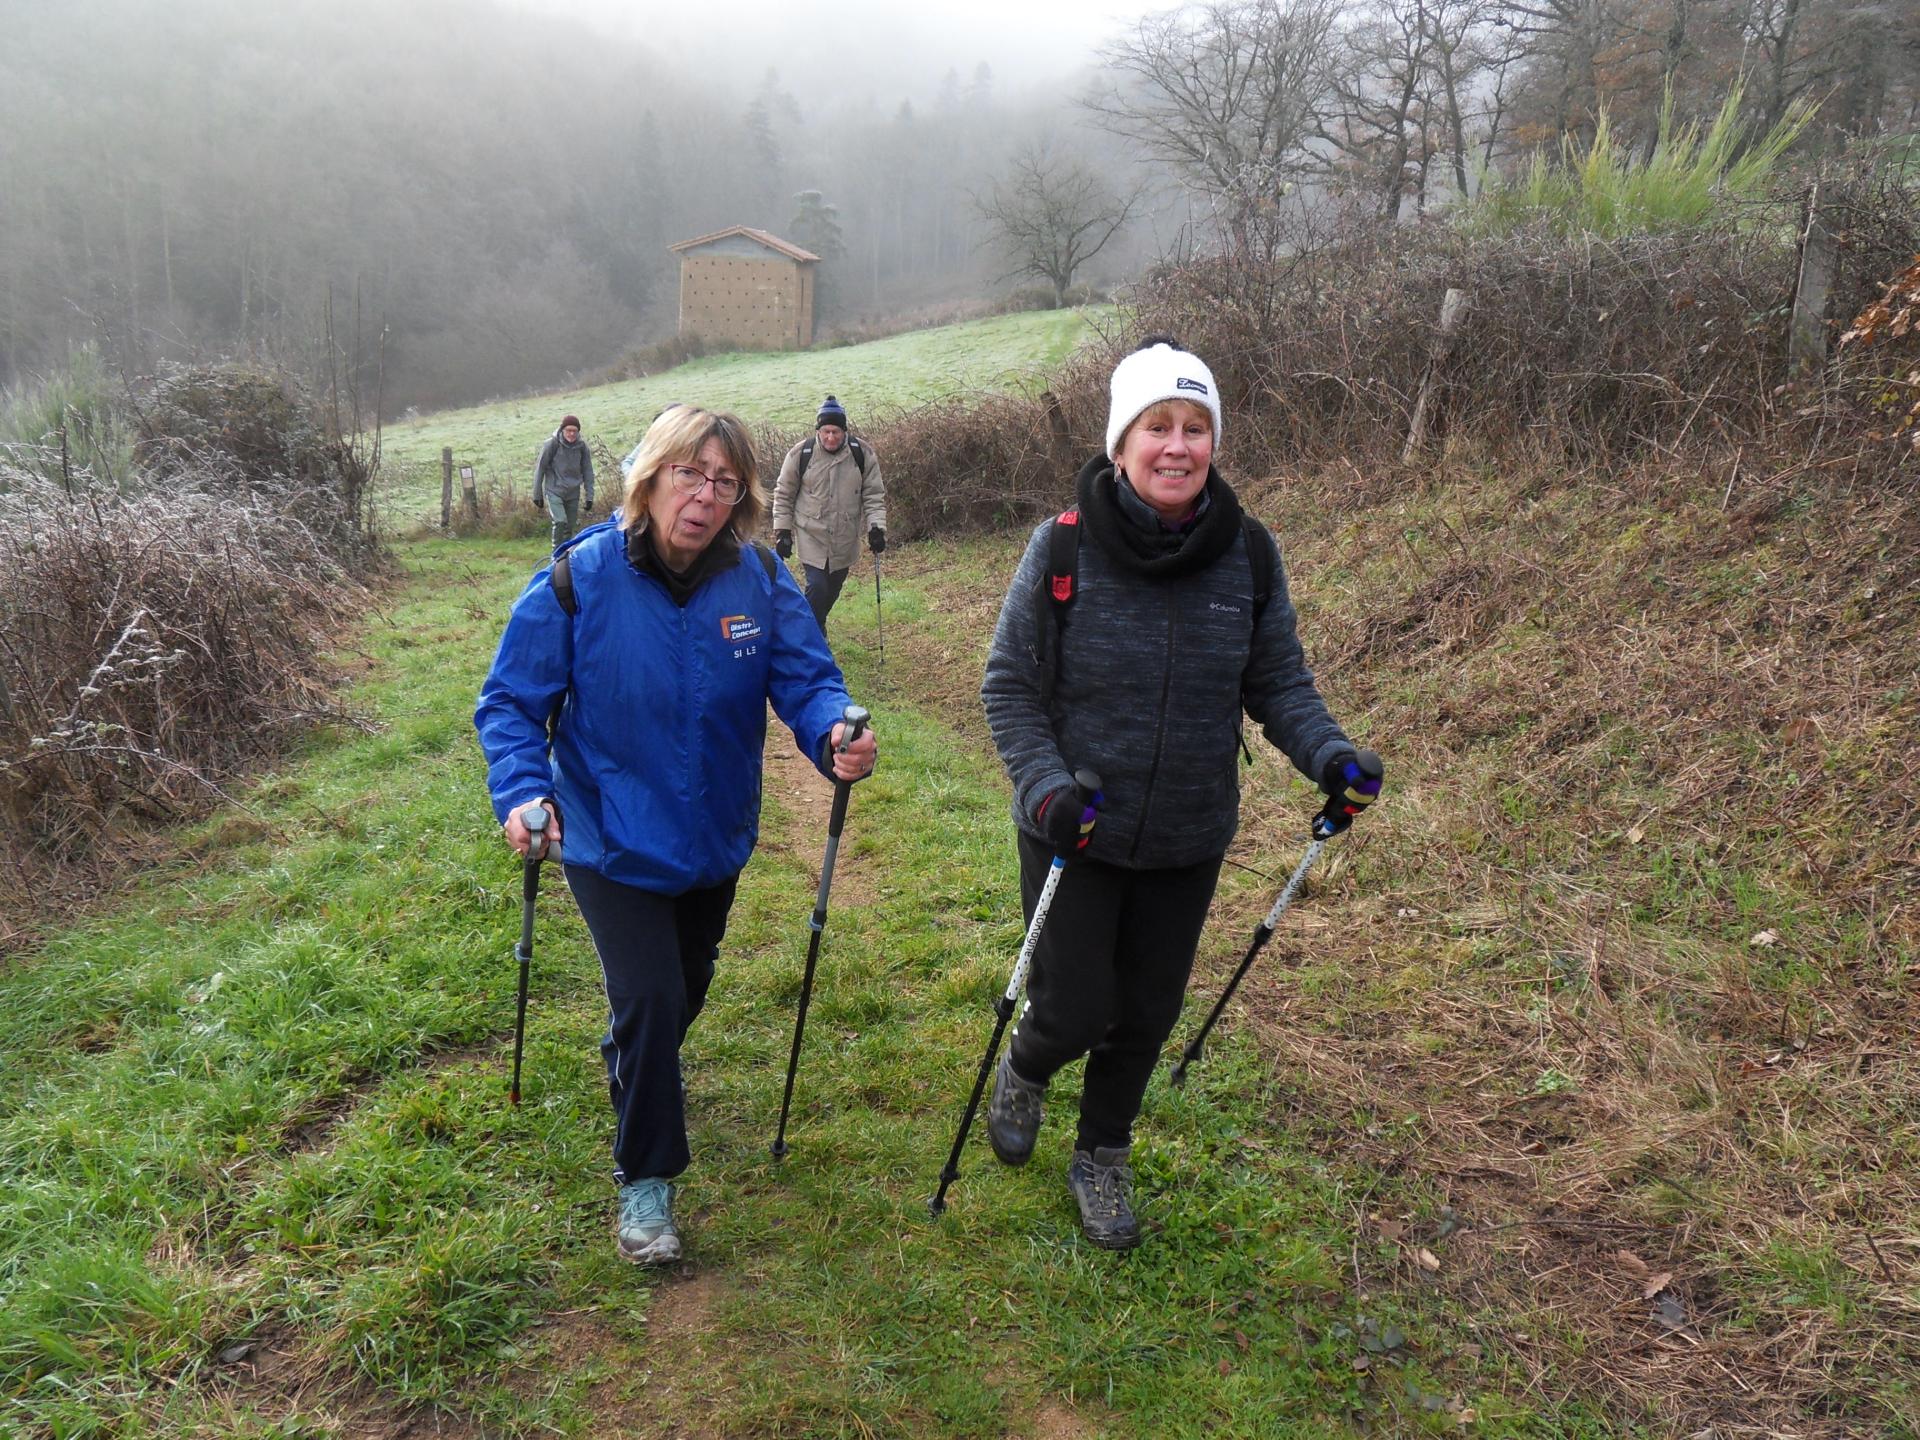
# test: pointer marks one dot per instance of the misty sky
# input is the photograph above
(892, 48)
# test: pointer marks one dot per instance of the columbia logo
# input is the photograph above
(1217, 605)
(1183, 383)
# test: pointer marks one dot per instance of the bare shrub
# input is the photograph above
(253, 438)
(162, 634)
(1587, 349)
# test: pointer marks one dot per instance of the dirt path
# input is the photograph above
(805, 798)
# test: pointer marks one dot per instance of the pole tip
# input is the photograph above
(778, 1149)
(936, 1207)
(513, 1097)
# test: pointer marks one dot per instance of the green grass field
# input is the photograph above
(780, 388)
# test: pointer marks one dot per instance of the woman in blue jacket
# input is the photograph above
(653, 661)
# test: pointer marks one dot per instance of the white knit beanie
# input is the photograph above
(1146, 377)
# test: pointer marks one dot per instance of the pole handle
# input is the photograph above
(536, 818)
(1087, 793)
(1361, 784)
(854, 718)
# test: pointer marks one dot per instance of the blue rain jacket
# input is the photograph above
(662, 711)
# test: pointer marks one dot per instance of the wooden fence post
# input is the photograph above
(1452, 309)
(469, 492)
(1807, 334)
(446, 487)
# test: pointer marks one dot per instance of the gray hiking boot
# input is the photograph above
(647, 1236)
(1014, 1114)
(1100, 1183)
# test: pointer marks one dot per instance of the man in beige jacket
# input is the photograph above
(829, 486)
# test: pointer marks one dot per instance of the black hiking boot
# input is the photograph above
(1014, 1114)
(1100, 1183)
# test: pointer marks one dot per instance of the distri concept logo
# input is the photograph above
(734, 628)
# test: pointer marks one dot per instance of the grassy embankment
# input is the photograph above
(1573, 1100)
(783, 388)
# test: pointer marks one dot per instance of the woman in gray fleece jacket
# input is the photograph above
(1175, 626)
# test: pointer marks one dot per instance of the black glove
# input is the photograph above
(587, 508)
(1351, 783)
(876, 539)
(538, 505)
(783, 544)
(1061, 816)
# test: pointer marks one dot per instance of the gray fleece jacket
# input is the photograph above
(563, 467)
(1158, 654)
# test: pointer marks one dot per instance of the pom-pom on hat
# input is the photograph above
(831, 413)
(1155, 372)
(573, 420)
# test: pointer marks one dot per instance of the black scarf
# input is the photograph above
(722, 553)
(1163, 555)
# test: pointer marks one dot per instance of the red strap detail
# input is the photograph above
(1061, 587)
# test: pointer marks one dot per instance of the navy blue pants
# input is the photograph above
(1107, 980)
(656, 956)
(823, 588)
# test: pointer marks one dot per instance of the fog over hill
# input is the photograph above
(493, 185)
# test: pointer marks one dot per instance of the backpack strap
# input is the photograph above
(853, 444)
(1059, 586)
(1260, 558)
(767, 560)
(561, 578)
(1063, 557)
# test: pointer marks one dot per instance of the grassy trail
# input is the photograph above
(260, 1176)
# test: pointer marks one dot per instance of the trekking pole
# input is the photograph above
(1333, 818)
(855, 721)
(879, 622)
(1087, 791)
(535, 818)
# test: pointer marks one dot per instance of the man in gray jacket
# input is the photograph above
(563, 480)
(829, 486)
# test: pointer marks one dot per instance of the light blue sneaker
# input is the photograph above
(647, 1236)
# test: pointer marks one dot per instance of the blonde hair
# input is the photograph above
(1167, 410)
(677, 436)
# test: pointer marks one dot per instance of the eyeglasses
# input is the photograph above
(688, 481)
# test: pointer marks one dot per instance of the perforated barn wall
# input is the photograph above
(754, 302)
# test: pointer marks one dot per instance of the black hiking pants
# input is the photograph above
(1107, 980)
(656, 956)
(823, 588)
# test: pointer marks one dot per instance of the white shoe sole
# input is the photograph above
(660, 1251)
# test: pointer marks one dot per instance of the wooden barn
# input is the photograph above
(742, 286)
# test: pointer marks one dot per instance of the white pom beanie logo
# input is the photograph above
(1146, 377)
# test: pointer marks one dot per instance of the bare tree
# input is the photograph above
(1226, 94)
(1052, 214)
(1374, 92)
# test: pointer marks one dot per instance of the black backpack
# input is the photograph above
(853, 444)
(1061, 584)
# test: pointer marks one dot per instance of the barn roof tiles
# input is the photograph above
(772, 242)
